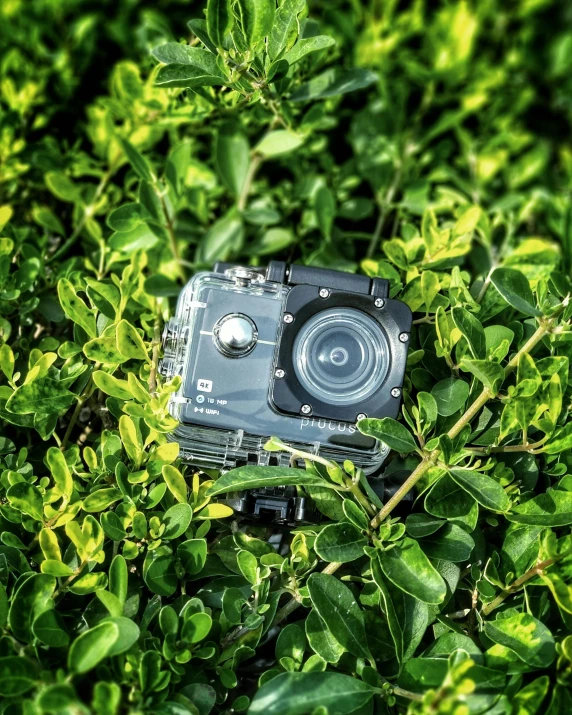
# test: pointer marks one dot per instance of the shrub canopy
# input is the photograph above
(426, 143)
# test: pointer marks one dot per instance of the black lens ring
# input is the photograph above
(287, 394)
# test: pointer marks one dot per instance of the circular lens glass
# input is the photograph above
(341, 356)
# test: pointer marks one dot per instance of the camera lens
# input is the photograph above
(341, 356)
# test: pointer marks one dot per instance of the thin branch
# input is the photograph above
(155, 355)
(87, 213)
(536, 570)
(383, 212)
(82, 399)
(255, 163)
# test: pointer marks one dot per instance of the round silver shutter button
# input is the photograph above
(235, 335)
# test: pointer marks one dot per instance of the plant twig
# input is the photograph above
(156, 344)
(517, 584)
(82, 399)
(255, 163)
(87, 213)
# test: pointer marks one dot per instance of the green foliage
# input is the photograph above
(426, 143)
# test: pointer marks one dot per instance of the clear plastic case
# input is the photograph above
(224, 405)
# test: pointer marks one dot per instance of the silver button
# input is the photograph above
(235, 335)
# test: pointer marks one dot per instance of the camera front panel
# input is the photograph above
(225, 399)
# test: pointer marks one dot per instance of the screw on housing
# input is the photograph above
(324, 293)
(361, 416)
(404, 337)
(306, 409)
(288, 318)
(279, 373)
(395, 392)
(379, 302)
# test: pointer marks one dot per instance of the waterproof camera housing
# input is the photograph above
(294, 352)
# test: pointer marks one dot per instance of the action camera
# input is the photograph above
(294, 352)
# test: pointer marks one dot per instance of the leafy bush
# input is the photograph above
(424, 143)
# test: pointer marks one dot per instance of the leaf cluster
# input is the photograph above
(424, 143)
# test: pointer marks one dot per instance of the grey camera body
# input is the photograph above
(233, 341)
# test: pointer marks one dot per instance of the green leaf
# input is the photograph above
(176, 53)
(530, 639)
(340, 542)
(232, 156)
(92, 646)
(472, 330)
(17, 675)
(130, 439)
(140, 238)
(159, 571)
(284, 27)
(56, 463)
(451, 543)
(291, 643)
(331, 84)
(257, 19)
(104, 350)
(407, 617)
(248, 566)
(447, 500)
(514, 287)
(219, 20)
(7, 360)
(528, 700)
(485, 490)
(102, 498)
(259, 477)
(199, 28)
(306, 45)
(33, 597)
(321, 641)
(406, 566)
(128, 634)
(118, 578)
(301, 693)
(175, 482)
(561, 440)
(177, 520)
(223, 238)
(278, 143)
(192, 555)
(27, 498)
(138, 162)
(200, 72)
(127, 217)
(274, 240)
(419, 525)
(490, 374)
(337, 607)
(196, 628)
(325, 208)
(129, 342)
(554, 508)
(75, 308)
(395, 435)
(49, 628)
(355, 514)
(62, 187)
(44, 396)
(4, 605)
(233, 601)
(450, 395)
(111, 385)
